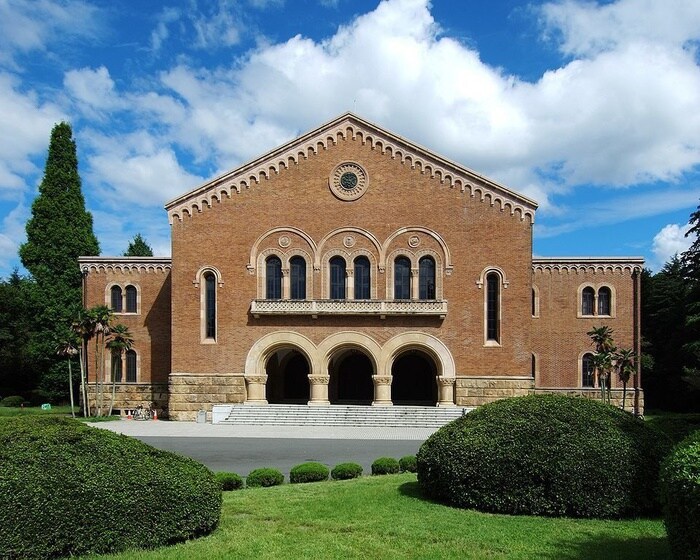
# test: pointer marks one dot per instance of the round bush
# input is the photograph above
(680, 498)
(408, 463)
(385, 465)
(346, 471)
(308, 472)
(67, 489)
(264, 477)
(545, 455)
(229, 481)
(14, 401)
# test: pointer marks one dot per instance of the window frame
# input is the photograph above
(404, 283)
(362, 279)
(337, 287)
(274, 278)
(422, 288)
(297, 278)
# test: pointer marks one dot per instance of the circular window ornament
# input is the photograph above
(348, 181)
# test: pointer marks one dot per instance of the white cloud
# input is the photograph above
(12, 234)
(92, 88)
(216, 24)
(670, 241)
(162, 31)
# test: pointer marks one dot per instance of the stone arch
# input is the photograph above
(350, 359)
(429, 344)
(266, 345)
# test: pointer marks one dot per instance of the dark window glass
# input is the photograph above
(273, 276)
(604, 301)
(402, 278)
(534, 303)
(116, 366)
(131, 299)
(337, 278)
(130, 366)
(493, 284)
(587, 298)
(362, 279)
(116, 299)
(210, 305)
(588, 371)
(297, 273)
(533, 365)
(426, 278)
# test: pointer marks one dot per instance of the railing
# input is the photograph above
(381, 308)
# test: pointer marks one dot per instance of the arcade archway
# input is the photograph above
(287, 377)
(350, 382)
(414, 379)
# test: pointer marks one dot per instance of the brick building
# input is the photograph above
(352, 266)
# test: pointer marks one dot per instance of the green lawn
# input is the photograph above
(386, 518)
(7, 412)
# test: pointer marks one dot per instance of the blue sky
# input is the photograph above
(591, 108)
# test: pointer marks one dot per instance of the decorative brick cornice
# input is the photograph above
(124, 264)
(447, 172)
(588, 264)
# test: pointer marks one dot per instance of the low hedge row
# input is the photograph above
(308, 472)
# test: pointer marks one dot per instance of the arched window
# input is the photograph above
(535, 301)
(493, 304)
(426, 278)
(587, 371)
(337, 265)
(130, 366)
(297, 274)
(131, 299)
(116, 365)
(362, 278)
(604, 298)
(209, 305)
(402, 278)
(273, 277)
(587, 301)
(116, 299)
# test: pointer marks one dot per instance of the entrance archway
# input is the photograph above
(350, 378)
(414, 379)
(287, 377)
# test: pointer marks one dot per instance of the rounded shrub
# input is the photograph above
(308, 472)
(14, 401)
(680, 497)
(67, 489)
(229, 481)
(408, 463)
(264, 477)
(545, 455)
(385, 465)
(346, 471)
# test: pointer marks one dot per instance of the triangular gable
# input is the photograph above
(348, 125)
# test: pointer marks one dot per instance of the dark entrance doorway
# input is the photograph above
(287, 377)
(413, 379)
(350, 378)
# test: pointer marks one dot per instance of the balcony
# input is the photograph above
(373, 307)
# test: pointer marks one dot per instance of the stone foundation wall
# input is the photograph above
(130, 395)
(475, 391)
(615, 396)
(190, 393)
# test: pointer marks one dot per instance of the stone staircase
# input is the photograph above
(336, 415)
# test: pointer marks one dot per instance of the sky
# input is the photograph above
(591, 108)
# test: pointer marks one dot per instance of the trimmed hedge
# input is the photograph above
(264, 477)
(680, 497)
(385, 465)
(69, 489)
(308, 472)
(13, 401)
(545, 455)
(346, 471)
(229, 481)
(408, 463)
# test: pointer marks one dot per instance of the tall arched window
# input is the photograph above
(130, 366)
(426, 278)
(587, 301)
(604, 297)
(402, 278)
(362, 278)
(116, 365)
(587, 371)
(209, 305)
(116, 299)
(493, 304)
(297, 277)
(337, 270)
(131, 299)
(273, 277)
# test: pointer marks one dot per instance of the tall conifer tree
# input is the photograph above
(138, 248)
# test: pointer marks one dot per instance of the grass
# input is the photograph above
(385, 517)
(8, 411)
(675, 425)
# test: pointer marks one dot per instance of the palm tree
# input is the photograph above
(102, 317)
(626, 367)
(68, 349)
(602, 338)
(84, 330)
(120, 339)
(603, 358)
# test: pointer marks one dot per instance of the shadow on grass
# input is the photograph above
(604, 548)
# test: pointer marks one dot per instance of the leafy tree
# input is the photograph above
(58, 232)
(625, 363)
(69, 349)
(604, 358)
(138, 248)
(120, 340)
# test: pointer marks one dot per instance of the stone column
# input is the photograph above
(255, 385)
(446, 391)
(286, 289)
(382, 390)
(319, 390)
(415, 280)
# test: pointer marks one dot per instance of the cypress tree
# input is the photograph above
(138, 248)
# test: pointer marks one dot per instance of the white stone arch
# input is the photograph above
(349, 229)
(349, 339)
(438, 259)
(447, 258)
(262, 269)
(263, 348)
(286, 265)
(427, 343)
(285, 229)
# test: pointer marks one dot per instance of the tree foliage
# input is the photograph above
(138, 248)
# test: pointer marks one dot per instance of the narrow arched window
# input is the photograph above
(587, 301)
(116, 299)
(587, 371)
(131, 299)
(337, 270)
(426, 278)
(116, 366)
(297, 277)
(402, 278)
(493, 304)
(604, 298)
(534, 303)
(130, 366)
(362, 278)
(209, 305)
(273, 277)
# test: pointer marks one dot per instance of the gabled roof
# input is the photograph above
(348, 125)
